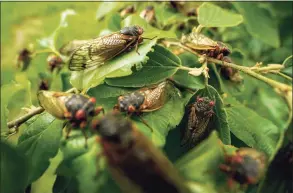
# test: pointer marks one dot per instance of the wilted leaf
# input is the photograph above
(254, 130)
(256, 20)
(14, 169)
(162, 64)
(210, 15)
(40, 143)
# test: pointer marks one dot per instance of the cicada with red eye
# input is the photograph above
(134, 162)
(97, 51)
(146, 99)
(76, 108)
(246, 166)
(199, 116)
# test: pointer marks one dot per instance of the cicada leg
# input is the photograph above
(144, 121)
(99, 109)
(68, 132)
(82, 126)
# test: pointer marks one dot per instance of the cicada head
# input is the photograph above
(115, 129)
(130, 102)
(204, 104)
(247, 166)
(132, 31)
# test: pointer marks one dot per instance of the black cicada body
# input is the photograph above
(135, 163)
(199, 116)
(101, 49)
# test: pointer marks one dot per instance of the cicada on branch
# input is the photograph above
(135, 163)
(97, 51)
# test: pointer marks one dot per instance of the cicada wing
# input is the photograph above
(97, 51)
(53, 102)
(191, 125)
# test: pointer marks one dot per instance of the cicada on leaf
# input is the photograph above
(97, 51)
(246, 166)
(199, 116)
(135, 163)
(204, 45)
(76, 108)
(146, 99)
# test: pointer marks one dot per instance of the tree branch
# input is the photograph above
(17, 122)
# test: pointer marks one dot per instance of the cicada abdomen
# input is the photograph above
(199, 116)
(102, 49)
(135, 164)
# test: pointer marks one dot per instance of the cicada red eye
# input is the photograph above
(212, 103)
(199, 99)
(92, 100)
(80, 114)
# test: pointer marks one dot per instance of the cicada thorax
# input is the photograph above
(199, 115)
(246, 166)
(131, 156)
(97, 51)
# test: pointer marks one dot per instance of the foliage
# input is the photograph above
(248, 113)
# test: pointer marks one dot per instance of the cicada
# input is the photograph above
(128, 10)
(199, 116)
(54, 62)
(204, 45)
(246, 166)
(101, 49)
(75, 108)
(134, 162)
(148, 14)
(146, 99)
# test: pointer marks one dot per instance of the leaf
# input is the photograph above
(65, 185)
(149, 31)
(162, 64)
(106, 8)
(220, 123)
(259, 23)
(81, 163)
(160, 120)
(182, 78)
(40, 142)
(254, 130)
(117, 67)
(205, 159)
(14, 169)
(210, 15)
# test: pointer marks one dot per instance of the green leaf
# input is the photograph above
(81, 163)
(220, 122)
(160, 120)
(205, 159)
(254, 130)
(149, 31)
(210, 15)
(107, 7)
(14, 169)
(259, 23)
(117, 67)
(186, 80)
(162, 64)
(65, 184)
(40, 142)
